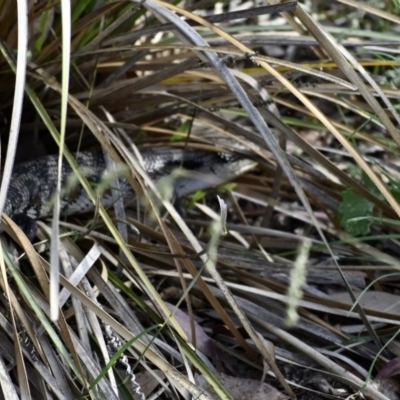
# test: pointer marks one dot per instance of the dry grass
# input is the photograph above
(310, 94)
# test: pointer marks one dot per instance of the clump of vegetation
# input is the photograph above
(286, 275)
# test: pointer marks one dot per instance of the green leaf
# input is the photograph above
(354, 206)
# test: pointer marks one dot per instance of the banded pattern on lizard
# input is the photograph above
(33, 183)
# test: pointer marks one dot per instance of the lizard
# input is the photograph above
(33, 183)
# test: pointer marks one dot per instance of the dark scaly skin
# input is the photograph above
(33, 183)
